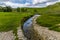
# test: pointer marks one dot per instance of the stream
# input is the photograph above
(29, 32)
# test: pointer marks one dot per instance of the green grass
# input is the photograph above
(11, 20)
(51, 21)
(50, 17)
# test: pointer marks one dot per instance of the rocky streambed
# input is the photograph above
(45, 33)
(34, 31)
(7, 35)
(31, 31)
(11, 36)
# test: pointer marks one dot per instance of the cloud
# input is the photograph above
(40, 1)
(14, 5)
(28, 3)
(52, 2)
(4, 0)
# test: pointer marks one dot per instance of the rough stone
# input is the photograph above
(6, 35)
(20, 34)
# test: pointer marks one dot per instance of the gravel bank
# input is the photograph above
(7, 35)
(10, 36)
(20, 34)
(45, 33)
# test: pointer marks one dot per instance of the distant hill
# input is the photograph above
(50, 9)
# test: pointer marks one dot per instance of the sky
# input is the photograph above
(27, 3)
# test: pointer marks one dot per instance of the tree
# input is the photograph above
(18, 9)
(24, 9)
(4, 9)
(7, 9)
(1, 10)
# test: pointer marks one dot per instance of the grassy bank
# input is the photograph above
(51, 21)
(50, 17)
(11, 20)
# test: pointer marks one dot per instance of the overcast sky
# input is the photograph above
(28, 3)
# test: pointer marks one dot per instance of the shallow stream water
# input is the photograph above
(28, 28)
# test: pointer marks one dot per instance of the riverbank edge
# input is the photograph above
(44, 32)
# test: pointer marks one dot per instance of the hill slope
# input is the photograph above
(50, 17)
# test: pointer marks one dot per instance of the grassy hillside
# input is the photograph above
(50, 17)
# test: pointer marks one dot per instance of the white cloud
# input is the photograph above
(36, 1)
(16, 4)
(9, 3)
(51, 3)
